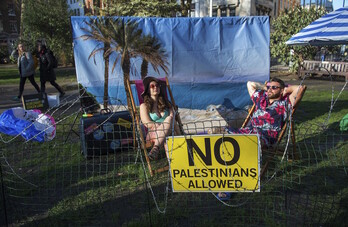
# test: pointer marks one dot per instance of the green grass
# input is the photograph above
(317, 179)
(9, 74)
(315, 106)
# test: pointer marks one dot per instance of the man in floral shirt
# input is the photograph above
(272, 108)
(273, 104)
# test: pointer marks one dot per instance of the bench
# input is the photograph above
(324, 68)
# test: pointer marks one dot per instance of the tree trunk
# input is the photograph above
(183, 8)
(188, 5)
(21, 25)
(126, 71)
(106, 77)
(144, 69)
(107, 8)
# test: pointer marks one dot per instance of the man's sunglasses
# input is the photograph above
(154, 85)
(273, 87)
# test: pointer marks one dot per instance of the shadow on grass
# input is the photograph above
(320, 197)
(72, 191)
(113, 212)
(316, 184)
(308, 110)
(111, 190)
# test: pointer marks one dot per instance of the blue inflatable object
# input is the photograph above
(30, 124)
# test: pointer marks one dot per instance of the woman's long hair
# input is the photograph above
(163, 103)
(19, 51)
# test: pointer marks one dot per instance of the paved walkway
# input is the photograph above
(7, 92)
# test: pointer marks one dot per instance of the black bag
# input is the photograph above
(54, 59)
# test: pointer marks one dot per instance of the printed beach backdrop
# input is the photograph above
(207, 61)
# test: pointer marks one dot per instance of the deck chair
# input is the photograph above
(134, 110)
(272, 151)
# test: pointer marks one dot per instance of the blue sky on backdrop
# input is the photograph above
(209, 59)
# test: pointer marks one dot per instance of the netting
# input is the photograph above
(56, 183)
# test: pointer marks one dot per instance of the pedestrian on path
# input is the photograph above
(26, 70)
(47, 69)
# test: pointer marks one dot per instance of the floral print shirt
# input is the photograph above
(268, 119)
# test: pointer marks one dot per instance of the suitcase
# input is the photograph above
(106, 133)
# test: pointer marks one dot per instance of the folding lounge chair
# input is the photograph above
(272, 151)
(134, 110)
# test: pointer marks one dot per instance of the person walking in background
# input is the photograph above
(26, 70)
(47, 70)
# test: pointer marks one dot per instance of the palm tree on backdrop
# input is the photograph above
(99, 30)
(126, 43)
(153, 53)
(129, 42)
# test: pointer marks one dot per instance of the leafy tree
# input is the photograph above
(99, 30)
(3, 52)
(140, 8)
(287, 24)
(185, 7)
(48, 20)
(21, 5)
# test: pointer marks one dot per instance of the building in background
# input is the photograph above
(327, 4)
(272, 8)
(226, 8)
(9, 25)
(76, 7)
(91, 6)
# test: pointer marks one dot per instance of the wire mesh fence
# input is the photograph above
(55, 183)
(94, 173)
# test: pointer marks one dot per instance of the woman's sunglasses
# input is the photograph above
(154, 86)
(273, 87)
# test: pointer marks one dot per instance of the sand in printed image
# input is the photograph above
(201, 121)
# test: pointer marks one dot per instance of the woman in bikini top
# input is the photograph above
(157, 115)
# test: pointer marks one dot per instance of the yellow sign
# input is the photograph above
(219, 163)
(35, 101)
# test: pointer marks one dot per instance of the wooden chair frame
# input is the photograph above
(137, 122)
(274, 149)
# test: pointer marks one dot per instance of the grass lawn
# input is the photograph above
(9, 74)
